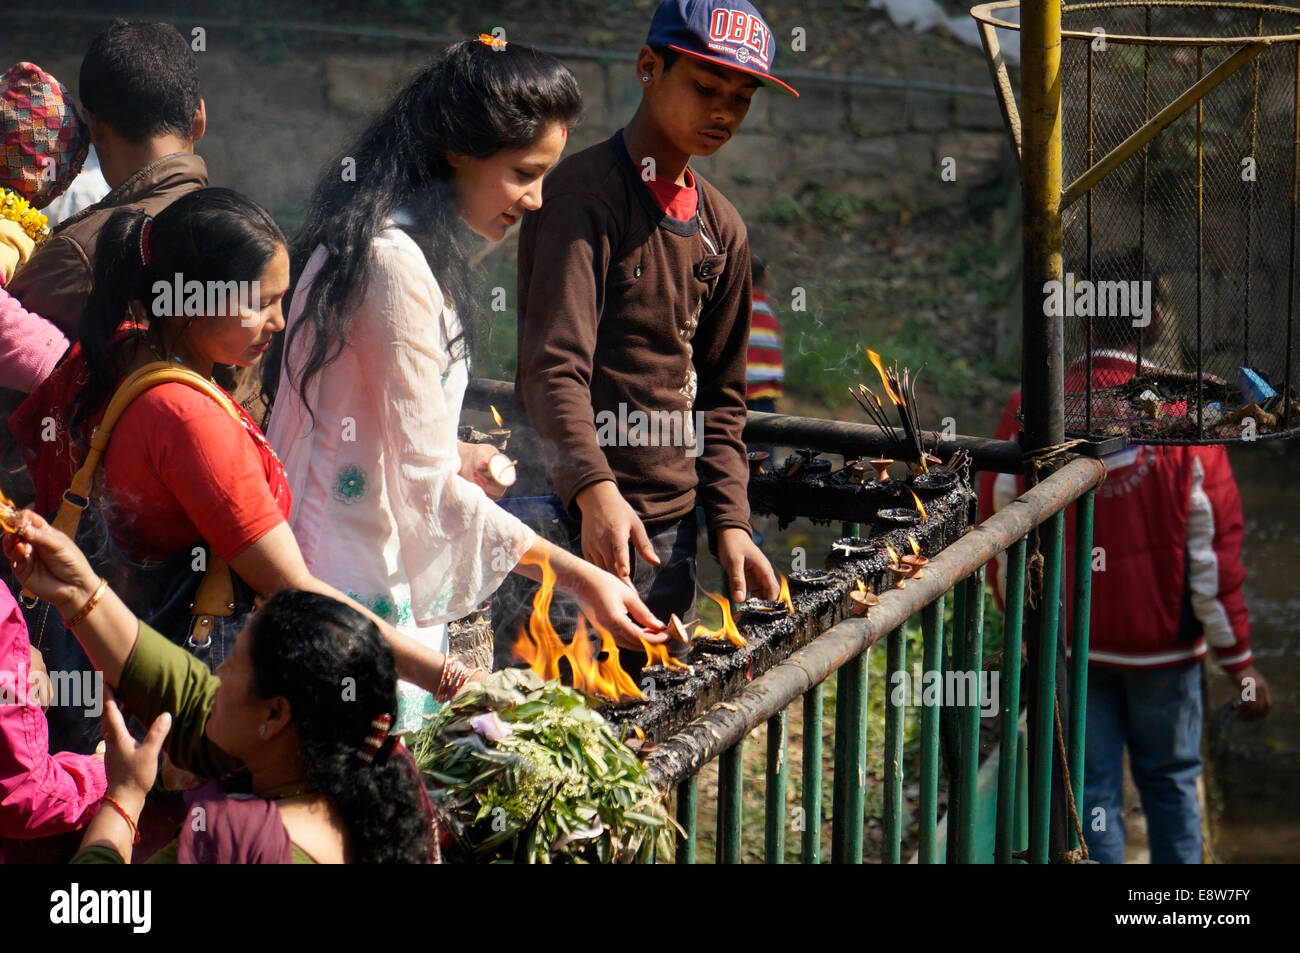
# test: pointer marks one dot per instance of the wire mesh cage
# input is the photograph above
(1180, 138)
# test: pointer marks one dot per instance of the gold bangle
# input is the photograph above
(90, 605)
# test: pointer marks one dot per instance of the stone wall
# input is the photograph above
(273, 125)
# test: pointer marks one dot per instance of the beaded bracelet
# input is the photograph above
(90, 605)
(135, 831)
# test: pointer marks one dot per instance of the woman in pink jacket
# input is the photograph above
(40, 794)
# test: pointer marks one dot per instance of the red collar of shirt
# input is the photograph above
(678, 201)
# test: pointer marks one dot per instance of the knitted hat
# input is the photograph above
(43, 141)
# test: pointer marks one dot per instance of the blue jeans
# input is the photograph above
(1157, 713)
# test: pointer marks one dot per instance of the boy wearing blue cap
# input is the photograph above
(634, 298)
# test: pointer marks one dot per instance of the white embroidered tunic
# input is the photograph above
(379, 508)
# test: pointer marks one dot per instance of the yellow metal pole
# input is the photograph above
(1042, 376)
(1042, 372)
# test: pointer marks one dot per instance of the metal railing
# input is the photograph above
(841, 651)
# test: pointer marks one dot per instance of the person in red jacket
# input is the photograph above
(1166, 584)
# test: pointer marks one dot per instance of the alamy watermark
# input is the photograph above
(1074, 298)
(196, 298)
(655, 428)
(74, 689)
(951, 689)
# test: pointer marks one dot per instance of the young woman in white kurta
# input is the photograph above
(380, 511)
(386, 508)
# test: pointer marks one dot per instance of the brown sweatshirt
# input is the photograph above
(56, 282)
(632, 334)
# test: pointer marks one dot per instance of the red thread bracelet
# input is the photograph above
(135, 831)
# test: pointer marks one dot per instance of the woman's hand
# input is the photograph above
(475, 466)
(612, 605)
(49, 564)
(131, 768)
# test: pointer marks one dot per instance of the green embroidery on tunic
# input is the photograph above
(394, 612)
(350, 484)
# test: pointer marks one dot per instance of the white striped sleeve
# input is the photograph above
(1203, 564)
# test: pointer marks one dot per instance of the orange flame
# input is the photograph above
(785, 595)
(920, 508)
(889, 390)
(916, 547)
(495, 416)
(862, 587)
(8, 515)
(728, 630)
(658, 655)
(597, 674)
(893, 553)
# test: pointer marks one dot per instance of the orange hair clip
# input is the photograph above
(487, 39)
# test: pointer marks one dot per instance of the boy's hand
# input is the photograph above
(608, 523)
(743, 563)
(1256, 700)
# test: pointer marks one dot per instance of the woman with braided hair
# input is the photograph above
(293, 729)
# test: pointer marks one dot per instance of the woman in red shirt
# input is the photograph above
(200, 284)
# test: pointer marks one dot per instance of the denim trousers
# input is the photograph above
(1157, 714)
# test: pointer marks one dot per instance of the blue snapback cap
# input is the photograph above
(728, 33)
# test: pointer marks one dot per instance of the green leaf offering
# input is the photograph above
(521, 770)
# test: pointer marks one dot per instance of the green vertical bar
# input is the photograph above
(956, 662)
(774, 819)
(857, 761)
(850, 727)
(1008, 758)
(896, 661)
(686, 792)
(1079, 650)
(932, 627)
(811, 846)
(852, 529)
(730, 783)
(1044, 724)
(973, 656)
(840, 779)
(1022, 791)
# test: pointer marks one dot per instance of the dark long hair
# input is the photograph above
(338, 674)
(471, 101)
(207, 235)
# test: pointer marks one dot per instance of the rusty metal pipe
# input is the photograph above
(683, 754)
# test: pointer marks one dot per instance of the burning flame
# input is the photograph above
(893, 553)
(862, 586)
(889, 390)
(595, 673)
(658, 655)
(785, 595)
(916, 547)
(495, 416)
(920, 508)
(728, 630)
(8, 515)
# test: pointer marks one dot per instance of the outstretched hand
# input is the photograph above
(131, 767)
(49, 564)
(745, 566)
(609, 524)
